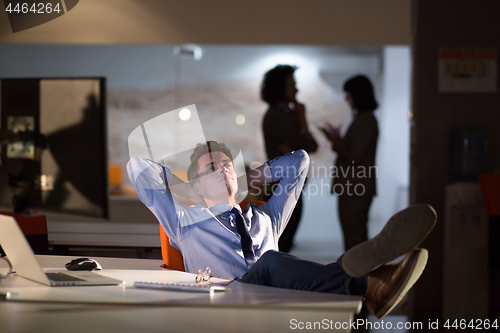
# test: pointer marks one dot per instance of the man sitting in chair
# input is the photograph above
(244, 245)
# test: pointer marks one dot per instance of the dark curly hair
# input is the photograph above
(361, 90)
(272, 89)
(202, 149)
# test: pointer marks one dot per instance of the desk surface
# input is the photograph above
(36, 308)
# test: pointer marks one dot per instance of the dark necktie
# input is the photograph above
(246, 240)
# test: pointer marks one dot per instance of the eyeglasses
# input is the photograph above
(203, 276)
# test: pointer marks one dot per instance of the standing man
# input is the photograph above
(285, 130)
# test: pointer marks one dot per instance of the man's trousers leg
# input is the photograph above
(281, 270)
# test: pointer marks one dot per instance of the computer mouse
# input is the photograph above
(83, 264)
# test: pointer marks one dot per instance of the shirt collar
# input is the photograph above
(221, 208)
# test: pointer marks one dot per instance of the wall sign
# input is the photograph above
(467, 70)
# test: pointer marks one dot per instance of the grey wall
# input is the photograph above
(224, 83)
(437, 24)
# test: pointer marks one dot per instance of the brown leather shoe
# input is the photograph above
(388, 284)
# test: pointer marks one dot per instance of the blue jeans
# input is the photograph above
(282, 270)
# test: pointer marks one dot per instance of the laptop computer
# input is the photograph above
(23, 260)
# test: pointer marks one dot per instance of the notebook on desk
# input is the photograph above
(23, 260)
(192, 287)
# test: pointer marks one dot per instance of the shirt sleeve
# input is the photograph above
(289, 172)
(151, 180)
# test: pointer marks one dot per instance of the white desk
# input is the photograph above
(247, 308)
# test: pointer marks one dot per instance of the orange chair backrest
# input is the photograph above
(35, 229)
(172, 258)
(30, 225)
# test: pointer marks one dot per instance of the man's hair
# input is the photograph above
(202, 149)
(361, 90)
(272, 89)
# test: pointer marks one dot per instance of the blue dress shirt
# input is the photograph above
(208, 236)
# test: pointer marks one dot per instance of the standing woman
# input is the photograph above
(354, 176)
